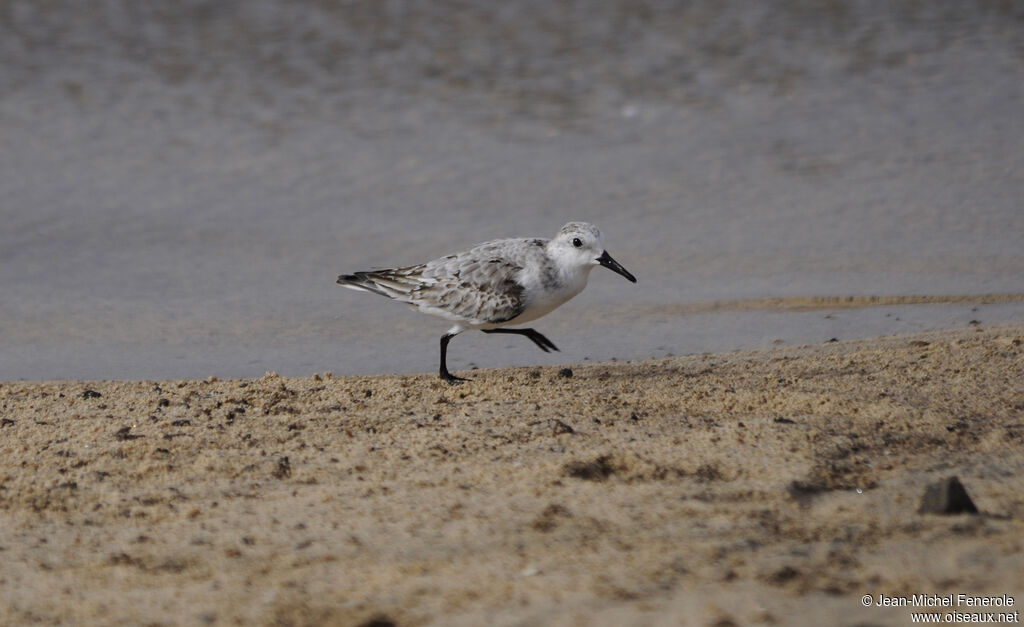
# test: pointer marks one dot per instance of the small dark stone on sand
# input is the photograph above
(284, 468)
(181, 423)
(91, 394)
(125, 433)
(6, 422)
(803, 491)
(784, 421)
(122, 558)
(947, 497)
(565, 373)
(708, 472)
(379, 621)
(163, 402)
(560, 427)
(783, 575)
(548, 520)
(597, 470)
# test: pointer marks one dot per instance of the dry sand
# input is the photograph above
(769, 487)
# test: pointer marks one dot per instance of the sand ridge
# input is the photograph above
(748, 488)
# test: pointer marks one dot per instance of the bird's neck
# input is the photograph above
(574, 278)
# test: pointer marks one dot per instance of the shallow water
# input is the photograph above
(180, 185)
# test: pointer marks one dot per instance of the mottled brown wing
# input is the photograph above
(479, 289)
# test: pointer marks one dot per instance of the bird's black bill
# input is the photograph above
(606, 260)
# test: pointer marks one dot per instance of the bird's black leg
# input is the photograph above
(447, 376)
(544, 343)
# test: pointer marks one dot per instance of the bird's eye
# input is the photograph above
(577, 243)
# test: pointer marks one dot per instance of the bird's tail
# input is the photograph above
(397, 283)
(360, 281)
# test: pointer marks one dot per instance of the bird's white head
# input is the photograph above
(581, 245)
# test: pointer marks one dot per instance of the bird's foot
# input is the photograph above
(451, 379)
(542, 342)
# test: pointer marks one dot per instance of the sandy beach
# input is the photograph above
(821, 202)
(769, 487)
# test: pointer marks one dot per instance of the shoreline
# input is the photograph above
(777, 485)
(136, 347)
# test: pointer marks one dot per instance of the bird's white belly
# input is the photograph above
(542, 302)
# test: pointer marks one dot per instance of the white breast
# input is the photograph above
(545, 294)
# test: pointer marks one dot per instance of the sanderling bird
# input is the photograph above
(496, 284)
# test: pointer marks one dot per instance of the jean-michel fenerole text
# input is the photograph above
(947, 600)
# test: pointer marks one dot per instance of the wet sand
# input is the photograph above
(770, 487)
